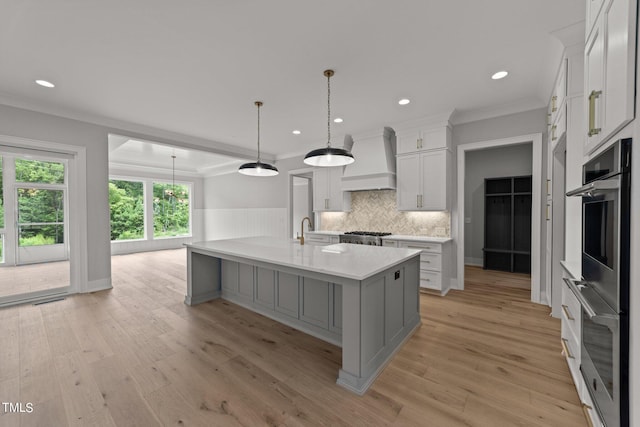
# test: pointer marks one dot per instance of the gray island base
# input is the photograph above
(364, 299)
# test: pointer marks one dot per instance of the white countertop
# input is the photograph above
(574, 268)
(393, 237)
(356, 262)
(328, 233)
(418, 238)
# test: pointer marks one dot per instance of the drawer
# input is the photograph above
(429, 261)
(571, 351)
(318, 238)
(430, 279)
(390, 243)
(571, 312)
(424, 246)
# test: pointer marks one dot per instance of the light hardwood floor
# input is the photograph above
(137, 356)
(16, 280)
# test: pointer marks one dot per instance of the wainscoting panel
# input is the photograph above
(234, 223)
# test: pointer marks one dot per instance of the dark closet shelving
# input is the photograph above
(507, 224)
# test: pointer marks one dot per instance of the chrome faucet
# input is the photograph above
(301, 237)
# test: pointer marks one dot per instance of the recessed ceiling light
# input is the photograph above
(404, 101)
(296, 132)
(338, 120)
(45, 83)
(499, 75)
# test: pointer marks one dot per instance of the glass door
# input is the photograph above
(41, 225)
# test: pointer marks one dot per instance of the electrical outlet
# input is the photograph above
(467, 220)
(440, 231)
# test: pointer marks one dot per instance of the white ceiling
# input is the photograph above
(137, 155)
(195, 67)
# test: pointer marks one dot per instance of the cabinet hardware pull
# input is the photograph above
(567, 312)
(595, 94)
(565, 349)
(554, 107)
(548, 119)
(548, 187)
(548, 216)
(553, 132)
(419, 143)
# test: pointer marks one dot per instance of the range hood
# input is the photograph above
(375, 165)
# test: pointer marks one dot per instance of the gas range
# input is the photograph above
(373, 238)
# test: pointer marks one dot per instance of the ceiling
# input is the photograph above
(126, 154)
(195, 67)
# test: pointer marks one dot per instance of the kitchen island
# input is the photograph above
(364, 299)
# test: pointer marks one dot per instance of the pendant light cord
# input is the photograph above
(328, 108)
(258, 104)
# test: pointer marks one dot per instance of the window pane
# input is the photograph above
(1, 248)
(41, 172)
(39, 235)
(170, 210)
(126, 204)
(1, 202)
(36, 205)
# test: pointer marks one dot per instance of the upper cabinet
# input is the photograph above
(327, 190)
(609, 69)
(557, 117)
(423, 167)
(423, 181)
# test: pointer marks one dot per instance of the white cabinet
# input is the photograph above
(327, 190)
(423, 181)
(435, 262)
(609, 79)
(420, 140)
(319, 238)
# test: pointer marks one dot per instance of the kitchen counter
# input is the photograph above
(362, 298)
(426, 239)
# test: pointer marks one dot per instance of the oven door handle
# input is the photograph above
(595, 187)
(604, 316)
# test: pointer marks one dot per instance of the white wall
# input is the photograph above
(489, 163)
(237, 205)
(511, 125)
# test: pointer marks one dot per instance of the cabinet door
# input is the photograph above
(434, 180)
(619, 21)
(593, 7)
(335, 189)
(320, 189)
(408, 182)
(594, 86)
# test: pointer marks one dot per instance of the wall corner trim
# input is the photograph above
(98, 285)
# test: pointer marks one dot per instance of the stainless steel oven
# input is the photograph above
(604, 289)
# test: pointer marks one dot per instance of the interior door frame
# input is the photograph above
(77, 211)
(536, 205)
(305, 172)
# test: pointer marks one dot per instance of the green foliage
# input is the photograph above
(36, 240)
(37, 171)
(170, 210)
(126, 204)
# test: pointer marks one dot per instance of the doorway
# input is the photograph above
(300, 199)
(36, 234)
(536, 204)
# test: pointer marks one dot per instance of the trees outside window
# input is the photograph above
(171, 210)
(126, 204)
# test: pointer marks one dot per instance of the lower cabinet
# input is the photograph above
(434, 262)
(571, 331)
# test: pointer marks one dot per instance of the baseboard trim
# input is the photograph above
(98, 285)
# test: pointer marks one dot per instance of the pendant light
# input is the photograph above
(329, 156)
(258, 168)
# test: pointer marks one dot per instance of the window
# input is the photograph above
(40, 217)
(171, 210)
(39, 171)
(126, 203)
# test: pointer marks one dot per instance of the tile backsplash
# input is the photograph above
(377, 211)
